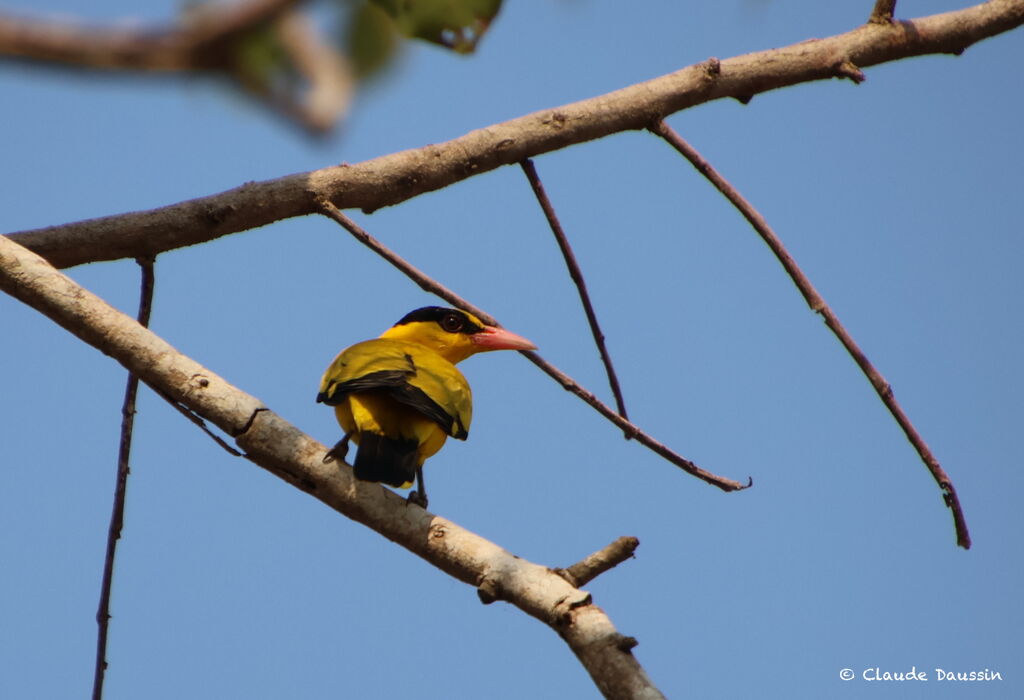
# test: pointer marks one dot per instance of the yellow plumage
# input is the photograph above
(399, 397)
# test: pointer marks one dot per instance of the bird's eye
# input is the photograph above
(451, 323)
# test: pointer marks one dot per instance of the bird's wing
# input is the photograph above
(443, 383)
(408, 373)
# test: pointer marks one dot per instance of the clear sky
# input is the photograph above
(900, 197)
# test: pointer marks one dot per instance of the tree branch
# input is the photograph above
(577, 277)
(817, 304)
(184, 46)
(120, 489)
(586, 570)
(394, 178)
(209, 38)
(285, 451)
(883, 12)
(327, 73)
(432, 286)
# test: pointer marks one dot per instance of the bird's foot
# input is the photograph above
(338, 452)
(418, 498)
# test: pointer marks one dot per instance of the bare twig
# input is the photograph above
(577, 277)
(120, 489)
(846, 69)
(431, 286)
(296, 458)
(198, 422)
(817, 304)
(394, 178)
(586, 570)
(883, 12)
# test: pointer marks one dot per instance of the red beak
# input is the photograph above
(491, 338)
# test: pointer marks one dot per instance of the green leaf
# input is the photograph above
(455, 24)
(373, 39)
(257, 59)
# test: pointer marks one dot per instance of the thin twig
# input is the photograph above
(587, 569)
(577, 277)
(120, 488)
(199, 422)
(883, 12)
(818, 305)
(431, 286)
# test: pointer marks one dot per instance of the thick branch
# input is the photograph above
(394, 178)
(179, 47)
(285, 451)
(207, 39)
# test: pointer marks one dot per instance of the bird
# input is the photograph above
(399, 396)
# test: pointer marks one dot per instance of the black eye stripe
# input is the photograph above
(446, 318)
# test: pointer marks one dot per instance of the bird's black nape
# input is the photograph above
(451, 320)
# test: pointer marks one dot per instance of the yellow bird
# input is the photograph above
(400, 396)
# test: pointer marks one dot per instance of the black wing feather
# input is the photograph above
(395, 384)
(384, 379)
(417, 399)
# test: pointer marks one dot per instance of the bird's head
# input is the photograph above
(454, 334)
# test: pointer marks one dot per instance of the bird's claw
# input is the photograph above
(418, 498)
(338, 452)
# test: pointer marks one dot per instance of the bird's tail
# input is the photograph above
(388, 460)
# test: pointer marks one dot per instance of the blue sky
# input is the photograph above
(900, 199)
